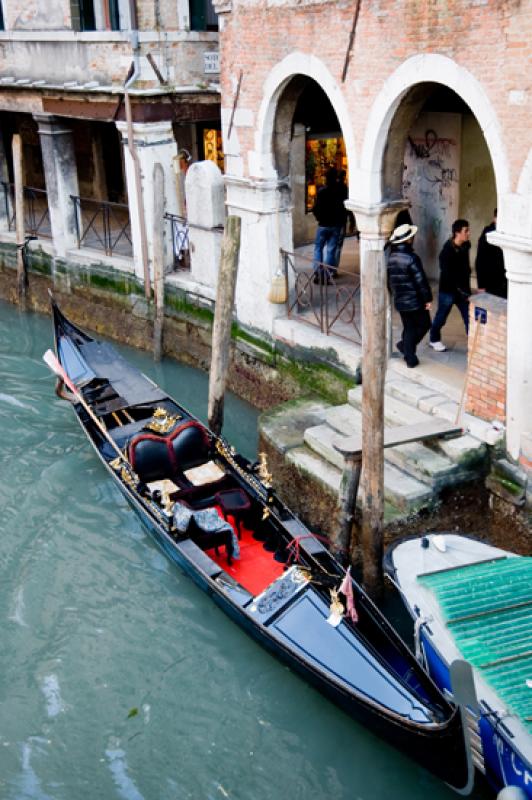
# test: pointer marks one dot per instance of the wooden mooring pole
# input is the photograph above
(158, 259)
(18, 177)
(223, 319)
(373, 376)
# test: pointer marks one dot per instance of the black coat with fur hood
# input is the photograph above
(406, 279)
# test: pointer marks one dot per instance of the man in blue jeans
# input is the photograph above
(455, 281)
(330, 214)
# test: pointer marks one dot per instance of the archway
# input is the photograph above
(437, 158)
(307, 140)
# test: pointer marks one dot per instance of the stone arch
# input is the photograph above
(375, 178)
(292, 67)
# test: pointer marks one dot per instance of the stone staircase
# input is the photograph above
(414, 473)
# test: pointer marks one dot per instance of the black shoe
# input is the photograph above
(399, 346)
(413, 363)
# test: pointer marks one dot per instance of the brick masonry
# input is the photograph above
(486, 389)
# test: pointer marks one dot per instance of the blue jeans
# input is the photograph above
(445, 303)
(326, 235)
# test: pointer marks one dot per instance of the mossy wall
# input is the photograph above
(111, 302)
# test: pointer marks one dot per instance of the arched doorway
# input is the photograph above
(307, 140)
(437, 158)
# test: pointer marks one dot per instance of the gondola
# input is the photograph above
(215, 515)
(471, 600)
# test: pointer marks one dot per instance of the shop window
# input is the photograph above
(203, 16)
(322, 152)
(212, 146)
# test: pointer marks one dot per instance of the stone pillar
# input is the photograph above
(518, 262)
(155, 143)
(61, 177)
(204, 189)
(263, 206)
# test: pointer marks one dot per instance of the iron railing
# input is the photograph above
(180, 228)
(103, 225)
(36, 213)
(180, 242)
(322, 297)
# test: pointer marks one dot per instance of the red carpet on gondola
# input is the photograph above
(255, 569)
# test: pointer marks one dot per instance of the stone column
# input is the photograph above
(266, 214)
(155, 143)
(518, 262)
(204, 188)
(375, 224)
(61, 177)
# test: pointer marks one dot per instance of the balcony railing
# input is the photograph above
(102, 225)
(36, 214)
(322, 297)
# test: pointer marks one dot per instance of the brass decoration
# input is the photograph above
(262, 470)
(167, 502)
(336, 608)
(116, 463)
(225, 452)
(265, 513)
(162, 421)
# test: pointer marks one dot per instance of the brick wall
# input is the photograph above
(489, 38)
(486, 391)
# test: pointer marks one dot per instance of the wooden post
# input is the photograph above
(373, 375)
(18, 175)
(345, 509)
(223, 318)
(158, 259)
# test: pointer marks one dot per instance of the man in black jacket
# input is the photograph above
(489, 264)
(455, 281)
(410, 289)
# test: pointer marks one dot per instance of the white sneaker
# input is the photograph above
(438, 346)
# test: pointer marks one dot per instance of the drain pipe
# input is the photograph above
(131, 146)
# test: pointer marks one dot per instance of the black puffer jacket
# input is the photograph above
(407, 280)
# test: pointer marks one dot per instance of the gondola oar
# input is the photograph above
(50, 359)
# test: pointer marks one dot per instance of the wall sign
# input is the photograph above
(211, 61)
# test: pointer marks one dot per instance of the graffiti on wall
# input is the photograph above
(431, 180)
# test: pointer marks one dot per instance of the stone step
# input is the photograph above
(325, 474)
(467, 451)
(401, 489)
(396, 412)
(420, 462)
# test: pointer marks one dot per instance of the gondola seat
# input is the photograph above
(206, 529)
(155, 457)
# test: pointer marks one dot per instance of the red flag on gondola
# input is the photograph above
(347, 590)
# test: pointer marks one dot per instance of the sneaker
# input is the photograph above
(438, 346)
(399, 346)
(413, 363)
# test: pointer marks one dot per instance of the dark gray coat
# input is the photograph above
(407, 280)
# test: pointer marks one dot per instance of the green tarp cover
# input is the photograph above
(488, 610)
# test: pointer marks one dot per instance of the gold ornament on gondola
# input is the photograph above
(262, 470)
(162, 421)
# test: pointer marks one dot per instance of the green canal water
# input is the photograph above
(118, 677)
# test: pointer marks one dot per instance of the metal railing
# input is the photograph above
(103, 225)
(180, 229)
(36, 213)
(322, 297)
(180, 242)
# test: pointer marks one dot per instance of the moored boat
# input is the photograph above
(216, 516)
(473, 601)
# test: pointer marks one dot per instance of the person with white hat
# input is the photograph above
(410, 289)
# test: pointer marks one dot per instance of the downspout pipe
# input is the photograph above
(134, 38)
